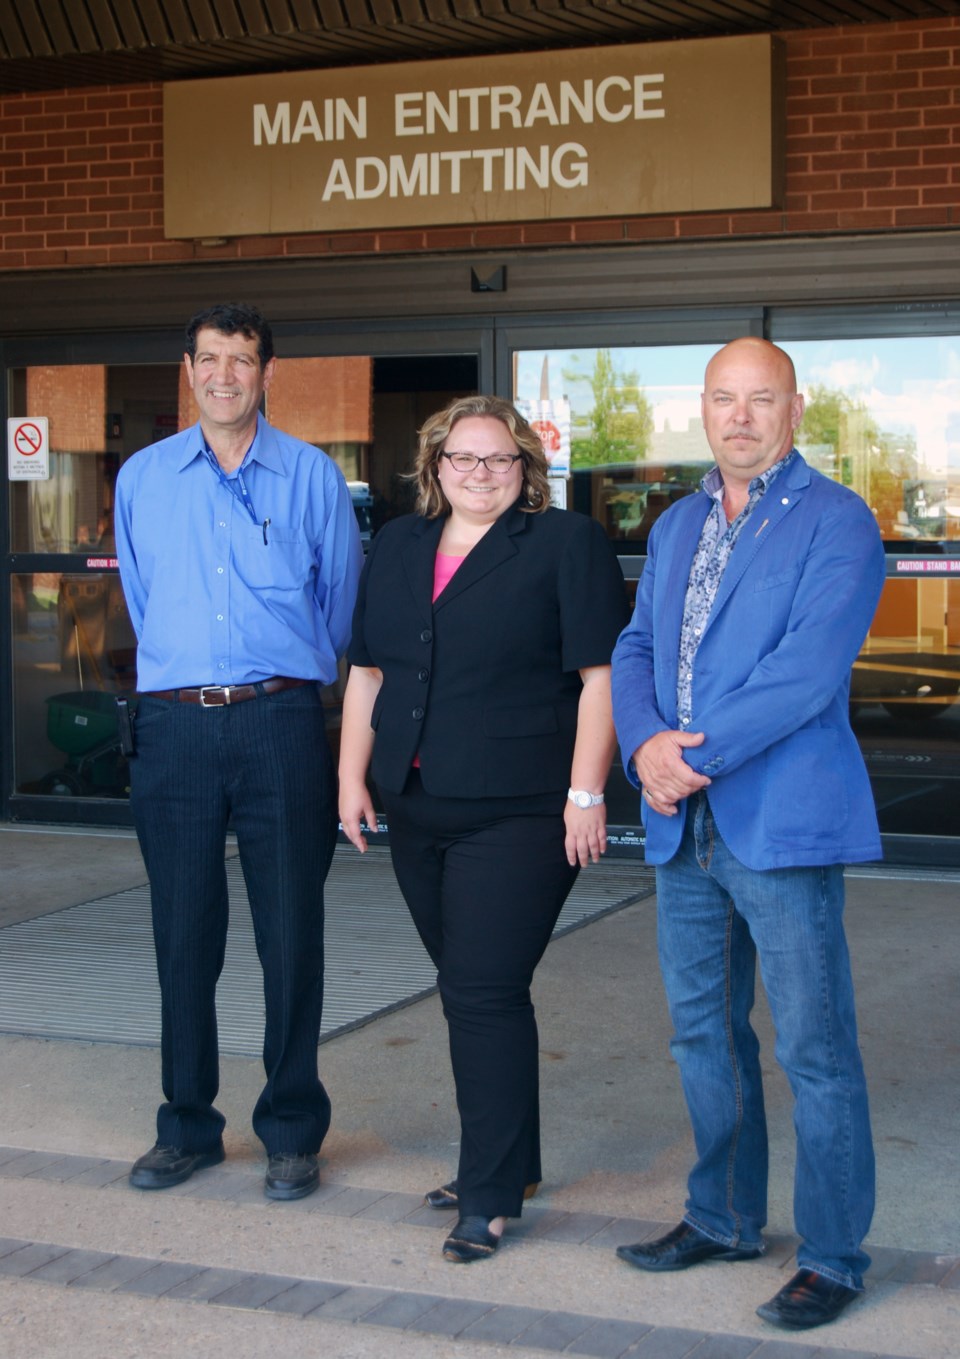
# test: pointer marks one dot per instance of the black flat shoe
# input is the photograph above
(291, 1176)
(444, 1197)
(447, 1195)
(162, 1167)
(680, 1249)
(807, 1300)
(471, 1239)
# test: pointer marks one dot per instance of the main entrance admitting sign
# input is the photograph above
(598, 132)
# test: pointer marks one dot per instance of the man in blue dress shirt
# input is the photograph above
(240, 555)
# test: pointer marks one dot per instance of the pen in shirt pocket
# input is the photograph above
(266, 525)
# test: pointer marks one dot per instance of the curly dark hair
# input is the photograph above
(232, 318)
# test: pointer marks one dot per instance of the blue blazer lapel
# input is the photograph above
(674, 565)
(761, 529)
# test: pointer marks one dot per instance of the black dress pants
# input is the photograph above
(485, 881)
(264, 765)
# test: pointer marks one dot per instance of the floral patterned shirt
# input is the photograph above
(717, 541)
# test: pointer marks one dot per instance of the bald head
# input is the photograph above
(761, 355)
(750, 407)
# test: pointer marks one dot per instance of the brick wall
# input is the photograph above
(320, 400)
(873, 144)
(74, 400)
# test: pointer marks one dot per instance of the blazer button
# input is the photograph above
(419, 714)
(423, 676)
(426, 635)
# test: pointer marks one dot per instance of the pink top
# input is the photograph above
(444, 570)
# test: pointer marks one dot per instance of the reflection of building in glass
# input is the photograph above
(951, 502)
(680, 445)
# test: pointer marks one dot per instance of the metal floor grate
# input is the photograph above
(88, 972)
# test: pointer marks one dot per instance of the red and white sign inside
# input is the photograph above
(28, 448)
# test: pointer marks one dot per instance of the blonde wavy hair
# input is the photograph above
(534, 492)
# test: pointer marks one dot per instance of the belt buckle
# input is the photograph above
(214, 689)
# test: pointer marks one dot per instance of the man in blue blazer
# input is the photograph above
(730, 691)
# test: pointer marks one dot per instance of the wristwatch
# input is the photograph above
(582, 799)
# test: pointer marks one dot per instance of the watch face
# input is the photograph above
(583, 800)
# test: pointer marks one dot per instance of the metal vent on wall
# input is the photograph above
(88, 972)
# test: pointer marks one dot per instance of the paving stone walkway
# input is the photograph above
(319, 1300)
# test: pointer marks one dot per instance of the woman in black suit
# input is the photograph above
(479, 698)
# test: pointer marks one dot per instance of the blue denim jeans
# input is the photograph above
(715, 917)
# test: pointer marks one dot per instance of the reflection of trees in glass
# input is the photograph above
(621, 421)
(841, 438)
(824, 428)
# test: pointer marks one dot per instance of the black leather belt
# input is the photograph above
(220, 695)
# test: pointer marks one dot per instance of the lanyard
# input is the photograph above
(242, 493)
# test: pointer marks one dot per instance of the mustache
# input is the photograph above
(741, 434)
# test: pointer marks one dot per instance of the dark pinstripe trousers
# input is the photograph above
(264, 766)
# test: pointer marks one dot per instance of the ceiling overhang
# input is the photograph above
(55, 44)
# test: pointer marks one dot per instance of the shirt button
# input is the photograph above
(221, 666)
(223, 523)
(426, 635)
(423, 676)
(419, 714)
(219, 617)
(219, 570)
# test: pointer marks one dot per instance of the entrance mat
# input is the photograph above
(88, 972)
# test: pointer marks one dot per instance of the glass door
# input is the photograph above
(882, 417)
(73, 650)
(628, 423)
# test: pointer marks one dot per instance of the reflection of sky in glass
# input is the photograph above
(911, 386)
(671, 378)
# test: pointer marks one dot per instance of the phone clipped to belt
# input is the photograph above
(125, 727)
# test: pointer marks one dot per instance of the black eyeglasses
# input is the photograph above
(499, 463)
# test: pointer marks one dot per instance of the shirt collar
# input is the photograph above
(263, 450)
(712, 483)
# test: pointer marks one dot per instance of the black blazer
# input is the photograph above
(484, 683)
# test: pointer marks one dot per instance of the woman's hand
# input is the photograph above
(586, 837)
(356, 805)
(356, 747)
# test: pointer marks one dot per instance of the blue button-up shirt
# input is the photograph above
(717, 541)
(214, 599)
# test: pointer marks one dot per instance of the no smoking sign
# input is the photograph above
(28, 448)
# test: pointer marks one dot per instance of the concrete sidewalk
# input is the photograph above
(89, 1267)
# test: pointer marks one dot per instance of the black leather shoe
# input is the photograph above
(161, 1167)
(681, 1248)
(471, 1239)
(447, 1196)
(290, 1176)
(807, 1300)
